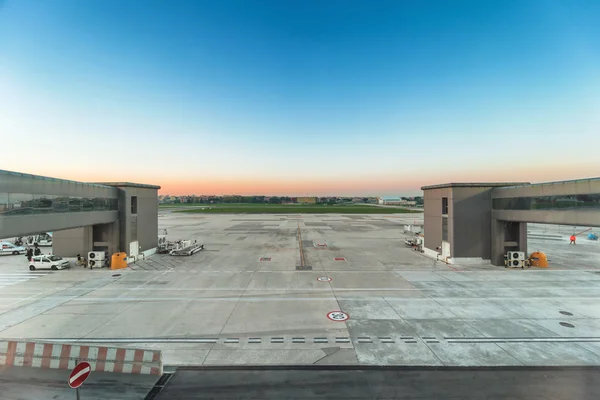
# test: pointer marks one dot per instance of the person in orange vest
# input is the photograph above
(573, 239)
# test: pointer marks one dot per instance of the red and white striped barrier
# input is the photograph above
(65, 356)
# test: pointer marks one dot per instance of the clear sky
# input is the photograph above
(300, 97)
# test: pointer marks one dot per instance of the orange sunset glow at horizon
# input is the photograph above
(408, 183)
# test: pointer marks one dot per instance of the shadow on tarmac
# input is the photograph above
(24, 383)
(525, 383)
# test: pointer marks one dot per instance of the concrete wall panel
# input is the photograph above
(558, 217)
(22, 225)
(70, 242)
(585, 186)
(471, 222)
(146, 220)
(433, 216)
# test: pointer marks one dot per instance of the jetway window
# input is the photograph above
(60, 204)
(99, 204)
(31, 204)
(444, 206)
(42, 204)
(134, 204)
(576, 202)
(87, 204)
(3, 201)
(75, 204)
(113, 204)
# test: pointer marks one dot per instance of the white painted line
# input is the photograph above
(55, 360)
(346, 295)
(75, 351)
(148, 356)
(38, 352)
(129, 355)
(523, 340)
(111, 355)
(20, 350)
(93, 355)
(77, 375)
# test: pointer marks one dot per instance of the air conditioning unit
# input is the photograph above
(516, 255)
(97, 255)
(515, 258)
(96, 259)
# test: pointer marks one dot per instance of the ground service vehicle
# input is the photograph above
(48, 261)
(42, 239)
(10, 248)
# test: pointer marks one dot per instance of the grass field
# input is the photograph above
(183, 205)
(292, 209)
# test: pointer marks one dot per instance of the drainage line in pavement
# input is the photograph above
(300, 245)
(159, 386)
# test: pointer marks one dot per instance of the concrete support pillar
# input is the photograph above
(70, 242)
(523, 238)
(498, 236)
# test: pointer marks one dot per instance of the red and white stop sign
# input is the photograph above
(80, 374)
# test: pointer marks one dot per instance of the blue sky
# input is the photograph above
(296, 97)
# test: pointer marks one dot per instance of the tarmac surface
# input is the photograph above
(384, 383)
(242, 300)
(36, 384)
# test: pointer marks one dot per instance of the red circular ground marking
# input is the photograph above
(79, 374)
(324, 279)
(338, 316)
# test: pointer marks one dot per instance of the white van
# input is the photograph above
(11, 248)
(48, 261)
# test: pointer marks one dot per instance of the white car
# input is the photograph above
(48, 261)
(11, 248)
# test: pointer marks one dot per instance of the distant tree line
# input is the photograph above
(235, 199)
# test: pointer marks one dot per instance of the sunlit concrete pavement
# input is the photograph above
(226, 306)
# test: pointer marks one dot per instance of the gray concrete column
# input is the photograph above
(523, 238)
(70, 242)
(498, 236)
